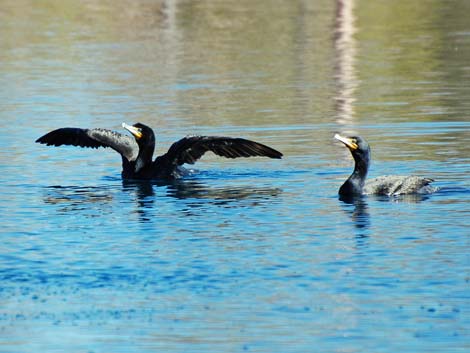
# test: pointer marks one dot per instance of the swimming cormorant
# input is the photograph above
(388, 185)
(137, 152)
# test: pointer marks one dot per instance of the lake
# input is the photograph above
(243, 255)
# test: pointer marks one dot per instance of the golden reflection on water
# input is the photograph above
(185, 65)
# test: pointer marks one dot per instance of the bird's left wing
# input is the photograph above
(189, 149)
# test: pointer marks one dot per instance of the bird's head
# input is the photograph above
(142, 133)
(357, 145)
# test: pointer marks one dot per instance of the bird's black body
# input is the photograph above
(388, 185)
(137, 152)
(354, 185)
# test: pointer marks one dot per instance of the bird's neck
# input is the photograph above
(355, 183)
(144, 158)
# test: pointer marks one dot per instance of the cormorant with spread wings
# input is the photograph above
(137, 152)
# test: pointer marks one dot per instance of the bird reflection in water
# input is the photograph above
(357, 207)
(76, 198)
(146, 195)
(95, 200)
(359, 212)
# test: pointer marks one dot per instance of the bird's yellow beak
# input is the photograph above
(350, 143)
(133, 130)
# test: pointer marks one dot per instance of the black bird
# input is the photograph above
(389, 185)
(137, 152)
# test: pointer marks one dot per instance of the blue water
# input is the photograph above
(252, 255)
(267, 260)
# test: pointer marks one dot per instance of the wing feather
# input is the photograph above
(92, 138)
(397, 185)
(189, 149)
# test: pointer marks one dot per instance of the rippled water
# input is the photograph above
(249, 254)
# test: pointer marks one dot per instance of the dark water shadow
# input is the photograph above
(147, 193)
(76, 198)
(359, 212)
(186, 189)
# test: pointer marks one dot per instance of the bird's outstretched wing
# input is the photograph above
(92, 138)
(189, 149)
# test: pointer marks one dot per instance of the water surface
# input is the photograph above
(249, 254)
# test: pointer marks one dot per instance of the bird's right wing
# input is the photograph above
(92, 138)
